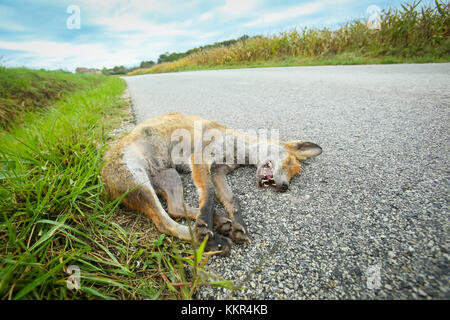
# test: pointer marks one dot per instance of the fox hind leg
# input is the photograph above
(167, 183)
(127, 173)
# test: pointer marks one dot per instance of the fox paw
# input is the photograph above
(216, 242)
(222, 224)
(201, 229)
(219, 243)
(238, 234)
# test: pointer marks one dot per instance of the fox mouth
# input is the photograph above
(265, 176)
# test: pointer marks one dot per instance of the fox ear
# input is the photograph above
(303, 149)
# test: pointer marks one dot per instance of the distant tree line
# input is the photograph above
(169, 57)
(125, 70)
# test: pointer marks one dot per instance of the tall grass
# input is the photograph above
(23, 90)
(54, 213)
(414, 32)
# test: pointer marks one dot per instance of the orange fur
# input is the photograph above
(200, 175)
(292, 165)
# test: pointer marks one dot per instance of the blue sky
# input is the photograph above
(35, 34)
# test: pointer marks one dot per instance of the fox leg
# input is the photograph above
(129, 174)
(204, 224)
(168, 184)
(144, 199)
(231, 203)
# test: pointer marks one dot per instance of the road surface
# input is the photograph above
(367, 219)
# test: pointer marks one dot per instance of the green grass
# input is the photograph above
(417, 32)
(54, 213)
(23, 90)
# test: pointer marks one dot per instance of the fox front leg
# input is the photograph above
(237, 233)
(204, 224)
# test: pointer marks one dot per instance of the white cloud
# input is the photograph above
(48, 48)
(238, 7)
(124, 6)
(130, 19)
(53, 55)
(130, 22)
(231, 9)
(290, 13)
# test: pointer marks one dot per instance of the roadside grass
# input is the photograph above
(416, 33)
(23, 90)
(55, 217)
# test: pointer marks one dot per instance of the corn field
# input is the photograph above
(414, 30)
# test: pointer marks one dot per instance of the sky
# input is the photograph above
(66, 34)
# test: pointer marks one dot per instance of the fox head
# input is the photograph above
(283, 163)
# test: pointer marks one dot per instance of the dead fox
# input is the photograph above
(143, 162)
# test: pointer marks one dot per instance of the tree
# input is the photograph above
(147, 64)
(106, 72)
(119, 70)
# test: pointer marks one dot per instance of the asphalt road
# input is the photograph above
(367, 219)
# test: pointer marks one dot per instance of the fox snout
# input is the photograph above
(268, 175)
(284, 186)
(281, 183)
